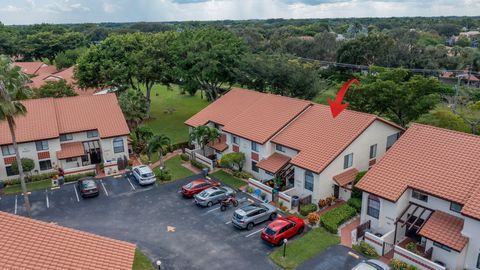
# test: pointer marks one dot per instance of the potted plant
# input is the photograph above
(313, 218)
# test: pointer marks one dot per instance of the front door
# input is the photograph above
(336, 191)
(95, 157)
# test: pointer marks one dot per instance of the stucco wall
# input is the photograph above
(471, 229)
(107, 149)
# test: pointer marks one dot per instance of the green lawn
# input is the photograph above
(174, 166)
(304, 248)
(30, 186)
(228, 179)
(184, 107)
(141, 261)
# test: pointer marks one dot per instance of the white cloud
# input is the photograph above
(110, 8)
(10, 8)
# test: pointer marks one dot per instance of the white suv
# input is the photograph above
(144, 175)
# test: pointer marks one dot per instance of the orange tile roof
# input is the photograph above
(30, 68)
(69, 150)
(225, 108)
(441, 162)
(48, 118)
(220, 144)
(445, 229)
(52, 74)
(33, 244)
(274, 162)
(265, 117)
(320, 138)
(346, 177)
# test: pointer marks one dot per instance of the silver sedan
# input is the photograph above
(213, 195)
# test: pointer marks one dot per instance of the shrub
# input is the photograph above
(242, 175)
(332, 219)
(263, 195)
(412, 247)
(357, 193)
(197, 164)
(233, 161)
(330, 200)
(164, 175)
(355, 203)
(185, 157)
(250, 189)
(322, 203)
(307, 209)
(27, 164)
(366, 250)
(76, 177)
(396, 264)
(313, 218)
(180, 145)
(31, 178)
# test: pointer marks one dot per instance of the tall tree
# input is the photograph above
(56, 89)
(396, 94)
(159, 144)
(133, 105)
(202, 135)
(366, 50)
(12, 91)
(210, 58)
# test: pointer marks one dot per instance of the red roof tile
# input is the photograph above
(47, 118)
(346, 177)
(220, 144)
(225, 108)
(32, 244)
(445, 229)
(30, 68)
(274, 162)
(438, 161)
(320, 138)
(69, 150)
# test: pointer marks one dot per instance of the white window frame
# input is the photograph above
(8, 150)
(376, 212)
(348, 161)
(373, 151)
(42, 145)
(66, 137)
(306, 185)
(255, 146)
(116, 148)
(92, 134)
(280, 148)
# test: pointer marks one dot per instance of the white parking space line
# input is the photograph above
(211, 210)
(46, 197)
(15, 212)
(104, 188)
(128, 179)
(76, 193)
(228, 222)
(253, 233)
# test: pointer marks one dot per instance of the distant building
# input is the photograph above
(465, 78)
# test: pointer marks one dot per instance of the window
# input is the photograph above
(348, 161)
(10, 172)
(8, 150)
(392, 139)
(235, 139)
(419, 195)
(255, 146)
(373, 151)
(118, 145)
(42, 145)
(373, 208)
(66, 137)
(309, 180)
(45, 165)
(92, 134)
(71, 159)
(442, 246)
(456, 207)
(254, 166)
(279, 147)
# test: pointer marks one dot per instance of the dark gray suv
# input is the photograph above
(253, 214)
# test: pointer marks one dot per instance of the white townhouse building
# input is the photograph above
(299, 141)
(426, 191)
(73, 133)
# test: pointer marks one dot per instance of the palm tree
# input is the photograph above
(202, 135)
(158, 143)
(12, 90)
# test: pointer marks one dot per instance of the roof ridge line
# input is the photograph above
(445, 130)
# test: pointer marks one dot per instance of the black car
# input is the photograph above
(88, 188)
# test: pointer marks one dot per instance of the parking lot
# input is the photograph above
(158, 219)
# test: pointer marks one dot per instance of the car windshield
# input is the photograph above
(147, 174)
(189, 185)
(88, 184)
(203, 194)
(269, 231)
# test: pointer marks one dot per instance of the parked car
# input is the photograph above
(144, 175)
(197, 186)
(282, 228)
(213, 195)
(253, 214)
(88, 187)
(371, 265)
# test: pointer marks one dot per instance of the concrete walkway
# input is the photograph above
(346, 232)
(166, 157)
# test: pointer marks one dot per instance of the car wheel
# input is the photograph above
(300, 231)
(209, 204)
(273, 216)
(235, 203)
(250, 226)
(223, 208)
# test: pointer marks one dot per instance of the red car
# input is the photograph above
(282, 228)
(197, 186)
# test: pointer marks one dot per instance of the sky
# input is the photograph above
(81, 11)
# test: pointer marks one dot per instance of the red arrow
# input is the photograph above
(336, 106)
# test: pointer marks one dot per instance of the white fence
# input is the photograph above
(415, 260)
(374, 241)
(195, 155)
(260, 188)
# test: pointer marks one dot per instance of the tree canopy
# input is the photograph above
(56, 89)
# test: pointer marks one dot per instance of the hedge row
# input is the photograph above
(197, 164)
(332, 219)
(355, 203)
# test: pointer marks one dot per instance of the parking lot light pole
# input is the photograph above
(159, 264)
(284, 247)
